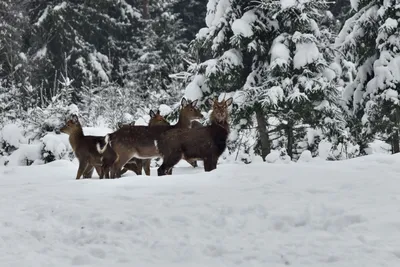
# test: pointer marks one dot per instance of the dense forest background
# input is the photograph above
(309, 75)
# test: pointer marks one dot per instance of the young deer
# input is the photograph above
(88, 150)
(136, 164)
(205, 143)
(140, 141)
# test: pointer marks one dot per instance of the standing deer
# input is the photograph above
(88, 150)
(140, 141)
(136, 164)
(205, 143)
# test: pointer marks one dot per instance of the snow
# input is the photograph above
(63, 5)
(301, 214)
(41, 53)
(164, 109)
(287, 3)
(202, 33)
(25, 152)
(12, 134)
(279, 51)
(243, 26)
(96, 131)
(23, 56)
(305, 156)
(216, 9)
(231, 58)
(306, 53)
(273, 95)
(390, 23)
(95, 59)
(42, 17)
(56, 144)
(354, 4)
(194, 89)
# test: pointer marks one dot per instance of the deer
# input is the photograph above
(140, 141)
(205, 143)
(88, 150)
(136, 164)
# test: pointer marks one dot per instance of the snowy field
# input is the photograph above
(300, 214)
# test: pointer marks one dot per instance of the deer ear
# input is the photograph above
(158, 112)
(229, 102)
(211, 101)
(184, 102)
(194, 103)
(152, 114)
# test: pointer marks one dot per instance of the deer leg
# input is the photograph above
(168, 163)
(146, 166)
(98, 170)
(81, 169)
(192, 162)
(124, 170)
(139, 164)
(106, 172)
(133, 166)
(116, 168)
(207, 164)
(88, 172)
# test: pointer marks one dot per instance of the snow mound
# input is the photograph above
(305, 156)
(12, 134)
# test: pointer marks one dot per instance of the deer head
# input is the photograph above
(220, 109)
(189, 110)
(157, 119)
(72, 125)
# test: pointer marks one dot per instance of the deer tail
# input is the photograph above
(101, 147)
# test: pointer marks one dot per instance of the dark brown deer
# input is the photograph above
(205, 143)
(140, 141)
(91, 151)
(136, 164)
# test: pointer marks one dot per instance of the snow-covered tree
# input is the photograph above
(229, 55)
(299, 87)
(370, 38)
(92, 36)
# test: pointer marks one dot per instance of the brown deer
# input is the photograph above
(140, 141)
(136, 164)
(91, 151)
(205, 143)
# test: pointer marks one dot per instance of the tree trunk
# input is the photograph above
(395, 142)
(146, 9)
(290, 140)
(262, 130)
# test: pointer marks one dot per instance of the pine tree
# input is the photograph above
(230, 56)
(93, 36)
(370, 38)
(299, 88)
(161, 53)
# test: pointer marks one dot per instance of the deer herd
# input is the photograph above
(131, 147)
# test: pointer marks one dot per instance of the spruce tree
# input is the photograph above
(370, 38)
(299, 87)
(229, 55)
(91, 36)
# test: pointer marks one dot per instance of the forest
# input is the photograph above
(305, 75)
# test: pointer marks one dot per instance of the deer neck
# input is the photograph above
(75, 138)
(183, 122)
(223, 124)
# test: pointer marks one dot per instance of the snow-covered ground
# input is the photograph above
(300, 214)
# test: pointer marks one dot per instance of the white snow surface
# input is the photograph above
(299, 214)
